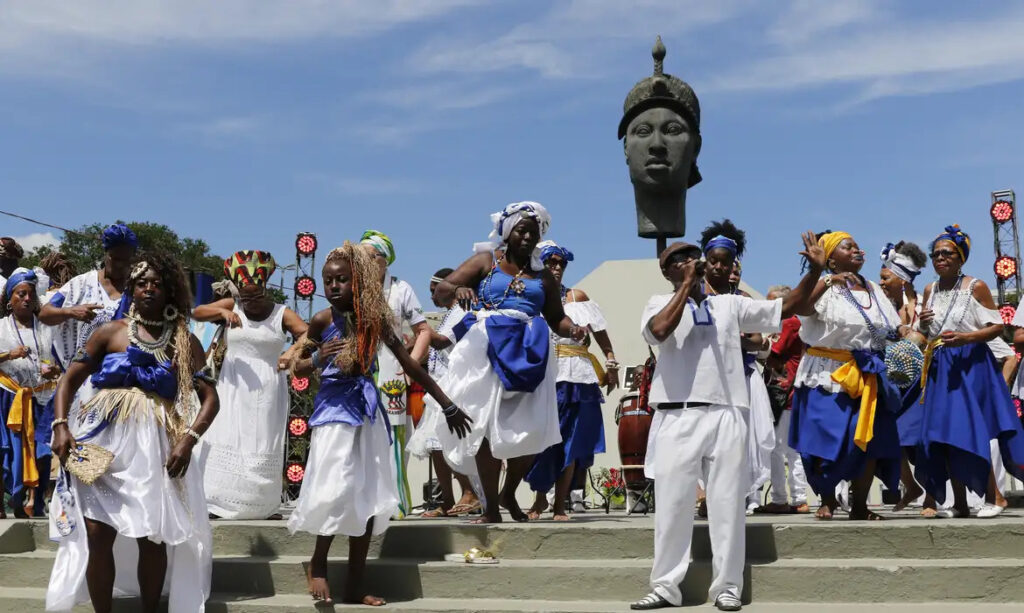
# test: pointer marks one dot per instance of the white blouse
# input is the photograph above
(838, 324)
(578, 369)
(28, 370)
(958, 310)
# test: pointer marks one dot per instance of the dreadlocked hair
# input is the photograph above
(727, 229)
(59, 268)
(178, 295)
(373, 317)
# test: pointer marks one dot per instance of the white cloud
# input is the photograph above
(898, 59)
(358, 186)
(576, 38)
(32, 241)
(59, 38)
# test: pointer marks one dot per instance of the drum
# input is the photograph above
(416, 404)
(634, 425)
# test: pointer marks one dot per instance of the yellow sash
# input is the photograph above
(579, 351)
(20, 420)
(929, 353)
(856, 385)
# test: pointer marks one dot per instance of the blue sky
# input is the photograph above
(245, 121)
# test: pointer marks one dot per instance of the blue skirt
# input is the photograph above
(909, 421)
(822, 430)
(10, 446)
(582, 428)
(966, 405)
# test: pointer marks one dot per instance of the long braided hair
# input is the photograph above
(179, 296)
(372, 316)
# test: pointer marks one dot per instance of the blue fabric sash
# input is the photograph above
(136, 368)
(873, 362)
(518, 349)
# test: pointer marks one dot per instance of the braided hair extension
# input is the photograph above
(373, 316)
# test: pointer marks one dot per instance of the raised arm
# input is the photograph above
(220, 310)
(53, 315)
(802, 299)
(460, 284)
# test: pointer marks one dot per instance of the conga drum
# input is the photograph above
(415, 405)
(634, 425)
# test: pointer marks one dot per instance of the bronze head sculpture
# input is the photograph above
(661, 128)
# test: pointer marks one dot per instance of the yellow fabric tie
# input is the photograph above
(929, 353)
(856, 385)
(21, 420)
(579, 351)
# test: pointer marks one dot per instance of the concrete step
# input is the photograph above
(30, 600)
(619, 537)
(842, 580)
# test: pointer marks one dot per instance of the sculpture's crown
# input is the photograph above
(658, 90)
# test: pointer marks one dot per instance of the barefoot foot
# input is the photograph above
(910, 496)
(316, 575)
(368, 600)
(561, 517)
(510, 504)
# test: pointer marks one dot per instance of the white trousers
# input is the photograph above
(688, 443)
(784, 454)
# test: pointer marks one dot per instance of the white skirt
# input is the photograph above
(349, 480)
(760, 432)
(515, 423)
(138, 499)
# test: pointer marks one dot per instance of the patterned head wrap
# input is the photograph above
(508, 218)
(723, 242)
(829, 242)
(900, 265)
(381, 242)
(550, 248)
(119, 234)
(250, 268)
(959, 238)
(19, 276)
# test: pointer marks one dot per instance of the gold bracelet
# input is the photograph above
(57, 422)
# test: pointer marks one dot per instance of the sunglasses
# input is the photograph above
(556, 263)
(944, 253)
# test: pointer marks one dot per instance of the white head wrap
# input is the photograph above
(508, 218)
(900, 265)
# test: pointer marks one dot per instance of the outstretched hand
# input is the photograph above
(466, 298)
(813, 252)
(459, 423)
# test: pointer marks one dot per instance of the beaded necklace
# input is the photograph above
(35, 357)
(516, 286)
(434, 355)
(157, 348)
(955, 294)
(878, 337)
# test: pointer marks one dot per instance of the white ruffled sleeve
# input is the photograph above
(587, 314)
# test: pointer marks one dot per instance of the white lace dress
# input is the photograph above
(244, 448)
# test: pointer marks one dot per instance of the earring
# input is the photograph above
(170, 312)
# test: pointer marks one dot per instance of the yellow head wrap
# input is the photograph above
(830, 241)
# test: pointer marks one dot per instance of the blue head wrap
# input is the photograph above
(119, 234)
(550, 248)
(723, 242)
(959, 238)
(21, 275)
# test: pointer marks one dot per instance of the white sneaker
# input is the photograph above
(988, 511)
(728, 602)
(750, 508)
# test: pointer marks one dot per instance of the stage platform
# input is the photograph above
(598, 562)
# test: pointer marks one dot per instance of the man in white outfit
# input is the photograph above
(699, 391)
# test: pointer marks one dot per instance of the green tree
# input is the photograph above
(84, 247)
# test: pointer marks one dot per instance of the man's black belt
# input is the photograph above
(682, 405)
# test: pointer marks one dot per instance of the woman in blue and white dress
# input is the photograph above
(502, 372)
(965, 401)
(578, 384)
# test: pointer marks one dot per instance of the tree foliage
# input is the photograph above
(84, 247)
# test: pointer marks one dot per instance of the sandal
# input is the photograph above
(464, 509)
(434, 513)
(479, 556)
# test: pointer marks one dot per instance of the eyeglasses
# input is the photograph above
(949, 254)
(555, 263)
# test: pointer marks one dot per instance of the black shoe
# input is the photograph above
(650, 601)
(728, 602)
